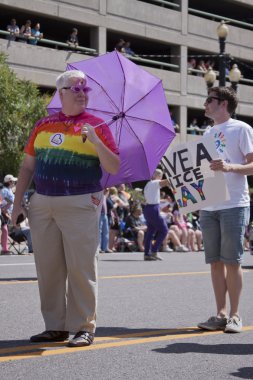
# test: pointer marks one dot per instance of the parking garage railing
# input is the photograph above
(210, 16)
(137, 59)
(55, 44)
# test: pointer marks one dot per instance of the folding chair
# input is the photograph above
(16, 240)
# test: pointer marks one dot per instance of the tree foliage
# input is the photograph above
(21, 105)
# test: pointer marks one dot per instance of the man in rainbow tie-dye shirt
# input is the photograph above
(63, 156)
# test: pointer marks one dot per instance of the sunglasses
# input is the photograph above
(209, 99)
(78, 88)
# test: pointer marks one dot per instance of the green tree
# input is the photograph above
(21, 105)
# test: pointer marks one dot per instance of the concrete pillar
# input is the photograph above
(98, 34)
(184, 15)
(102, 7)
(183, 123)
(175, 50)
(98, 39)
(183, 72)
(183, 69)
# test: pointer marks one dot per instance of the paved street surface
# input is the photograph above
(147, 317)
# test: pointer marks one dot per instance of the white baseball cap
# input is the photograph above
(9, 177)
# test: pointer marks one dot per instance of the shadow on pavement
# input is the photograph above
(244, 373)
(101, 332)
(247, 267)
(10, 279)
(122, 331)
(224, 349)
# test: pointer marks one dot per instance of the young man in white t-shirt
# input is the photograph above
(156, 225)
(223, 225)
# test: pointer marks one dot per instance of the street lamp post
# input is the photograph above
(234, 77)
(210, 78)
(222, 32)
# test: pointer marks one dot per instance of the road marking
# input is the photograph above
(36, 351)
(15, 264)
(152, 275)
(118, 277)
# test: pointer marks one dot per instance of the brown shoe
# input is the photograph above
(50, 336)
(82, 338)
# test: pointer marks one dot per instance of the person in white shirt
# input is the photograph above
(223, 225)
(156, 225)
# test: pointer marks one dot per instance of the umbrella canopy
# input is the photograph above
(133, 103)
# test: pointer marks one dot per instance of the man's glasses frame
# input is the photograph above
(78, 88)
(209, 99)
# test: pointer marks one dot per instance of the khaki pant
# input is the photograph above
(65, 235)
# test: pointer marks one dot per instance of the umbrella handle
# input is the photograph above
(114, 118)
(109, 121)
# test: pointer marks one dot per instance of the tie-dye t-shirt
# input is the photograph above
(65, 165)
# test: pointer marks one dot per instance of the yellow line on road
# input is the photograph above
(31, 347)
(43, 352)
(152, 275)
(123, 276)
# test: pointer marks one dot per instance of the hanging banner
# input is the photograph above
(193, 183)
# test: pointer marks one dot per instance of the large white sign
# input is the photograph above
(194, 184)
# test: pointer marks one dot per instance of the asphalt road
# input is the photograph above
(147, 317)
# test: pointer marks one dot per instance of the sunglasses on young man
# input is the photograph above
(78, 88)
(209, 99)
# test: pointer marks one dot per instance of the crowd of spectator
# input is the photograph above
(122, 223)
(26, 33)
(201, 65)
(124, 47)
(127, 226)
(31, 34)
(198, 128)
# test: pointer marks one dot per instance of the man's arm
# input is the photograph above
(164, 183)
(244, 169)
(109, 160)
(24, 179)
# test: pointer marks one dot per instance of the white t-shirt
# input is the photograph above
(152, 192)
(233, 140)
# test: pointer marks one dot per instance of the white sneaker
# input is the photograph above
(181, 248)
(167, 249)
(214, 323)
(234, 324)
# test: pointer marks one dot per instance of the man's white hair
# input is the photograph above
(157, 173)
(63, 79)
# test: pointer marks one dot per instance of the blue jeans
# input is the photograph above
(104, 232)
(223, 234)
(155, 226)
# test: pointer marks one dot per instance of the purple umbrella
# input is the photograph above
(132, 102)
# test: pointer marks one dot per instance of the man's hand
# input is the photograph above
(15, 213)
(220, 165)
(89, 132)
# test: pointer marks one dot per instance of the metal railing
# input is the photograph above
(137, 59)
(202, 73)
(219, 18)
(164, 3)
(195, 130)
(154, 63)
(84, 50)
(211, 16)
(56, 44)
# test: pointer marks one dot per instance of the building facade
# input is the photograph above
(163, 34)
